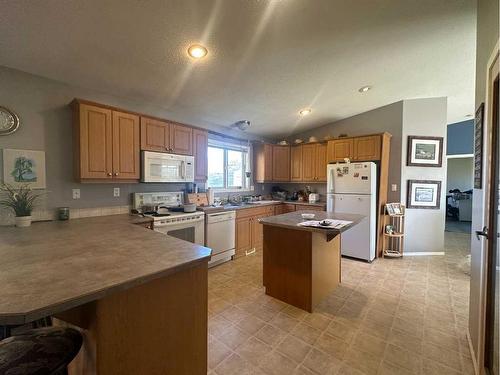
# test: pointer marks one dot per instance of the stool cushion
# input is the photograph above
(40, 351)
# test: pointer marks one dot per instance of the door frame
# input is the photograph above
(491, 73)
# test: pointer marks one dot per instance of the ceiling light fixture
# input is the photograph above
(197, 51)
(241, 125)
(305, 111)
(365, 89)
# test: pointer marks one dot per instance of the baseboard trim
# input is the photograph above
(472, 354)
(415, 254)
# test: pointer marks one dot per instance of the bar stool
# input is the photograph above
(42, 351)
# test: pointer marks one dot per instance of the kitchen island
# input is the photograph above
(139, 297)
(301, 265)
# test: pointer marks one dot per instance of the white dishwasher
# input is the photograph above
(221, 236)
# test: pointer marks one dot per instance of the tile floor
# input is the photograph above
(394, 316)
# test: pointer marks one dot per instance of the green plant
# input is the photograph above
(21, 200)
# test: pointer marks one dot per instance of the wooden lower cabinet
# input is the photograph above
(287, 207)
(249, 232)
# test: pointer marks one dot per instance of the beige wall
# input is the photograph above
(488, 16)
(425, 227)
(460, 174)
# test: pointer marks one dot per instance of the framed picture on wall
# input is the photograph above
(424, 194)
(24, 167)
(425, 151)
(478, 147)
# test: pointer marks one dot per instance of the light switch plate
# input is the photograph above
(76, 193)
(116, 192)
(394, 187)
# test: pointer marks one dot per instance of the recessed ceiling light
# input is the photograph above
(305, 111)
(365, 89)
(197, 51)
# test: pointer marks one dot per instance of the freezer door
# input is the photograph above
(353, 178)
(359, 241)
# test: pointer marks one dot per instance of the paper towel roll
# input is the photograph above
(210, 196)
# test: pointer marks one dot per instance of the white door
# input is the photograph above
(357, 241)
(479, 244)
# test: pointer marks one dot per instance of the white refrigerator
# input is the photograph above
(352, 188)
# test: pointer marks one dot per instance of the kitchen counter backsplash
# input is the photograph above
(7, 217)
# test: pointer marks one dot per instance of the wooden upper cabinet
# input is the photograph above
(367, 148)
(155, 135)
(181, 139)
(93, 142)
(308, 162)
(106, 144)
(263, 162)
(321, 162)
(126, 149)
(339, 149)
(164, 136)
(281, 163)
(200, 151)
(296, 163)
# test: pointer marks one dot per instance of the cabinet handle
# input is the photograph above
(116, 173)
(109, 174)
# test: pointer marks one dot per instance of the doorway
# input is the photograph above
(459, 189)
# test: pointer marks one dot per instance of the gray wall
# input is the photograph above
(460, 138)
(460, 174)
(425, 227)
(488, 13)
(383, 119)
(46, 124)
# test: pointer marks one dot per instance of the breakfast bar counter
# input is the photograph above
(139, 296)
(302, 264)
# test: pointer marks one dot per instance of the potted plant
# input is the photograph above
(21, 200)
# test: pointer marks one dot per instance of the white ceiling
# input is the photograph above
(267, 58)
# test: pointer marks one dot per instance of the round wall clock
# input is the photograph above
(9, 121)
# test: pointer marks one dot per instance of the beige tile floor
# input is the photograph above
(394, 316)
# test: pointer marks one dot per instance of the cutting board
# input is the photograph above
(199, 199)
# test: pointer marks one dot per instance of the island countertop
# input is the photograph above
(292, 219)
(51, 267)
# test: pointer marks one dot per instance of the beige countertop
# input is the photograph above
(212, 209)
(51, 267)
(292, 219)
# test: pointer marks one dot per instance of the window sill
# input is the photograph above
(229, 190)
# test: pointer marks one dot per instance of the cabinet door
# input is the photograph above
(244, 232)
(281, 163)
(263, 162)
(287, 207)
(340, 149)
(95, 143)
(308, 162)
(367, 148)
(181, 139)
(155, 135)
(296, 163)
(257, 233)
(126, 149)
(200, 150)
(320, 162)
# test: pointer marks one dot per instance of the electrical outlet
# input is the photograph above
(76, 193)
(394, 187)
(116, 192)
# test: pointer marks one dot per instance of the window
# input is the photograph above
(228, 166)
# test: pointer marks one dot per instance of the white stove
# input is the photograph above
(188, 226)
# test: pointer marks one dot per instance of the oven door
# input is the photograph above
(159, 167)
(193, 231)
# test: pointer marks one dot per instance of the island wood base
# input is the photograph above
(300, 268)
(159, 327)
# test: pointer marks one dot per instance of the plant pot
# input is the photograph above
(23, 221)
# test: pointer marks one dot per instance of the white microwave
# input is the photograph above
(160, 167)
